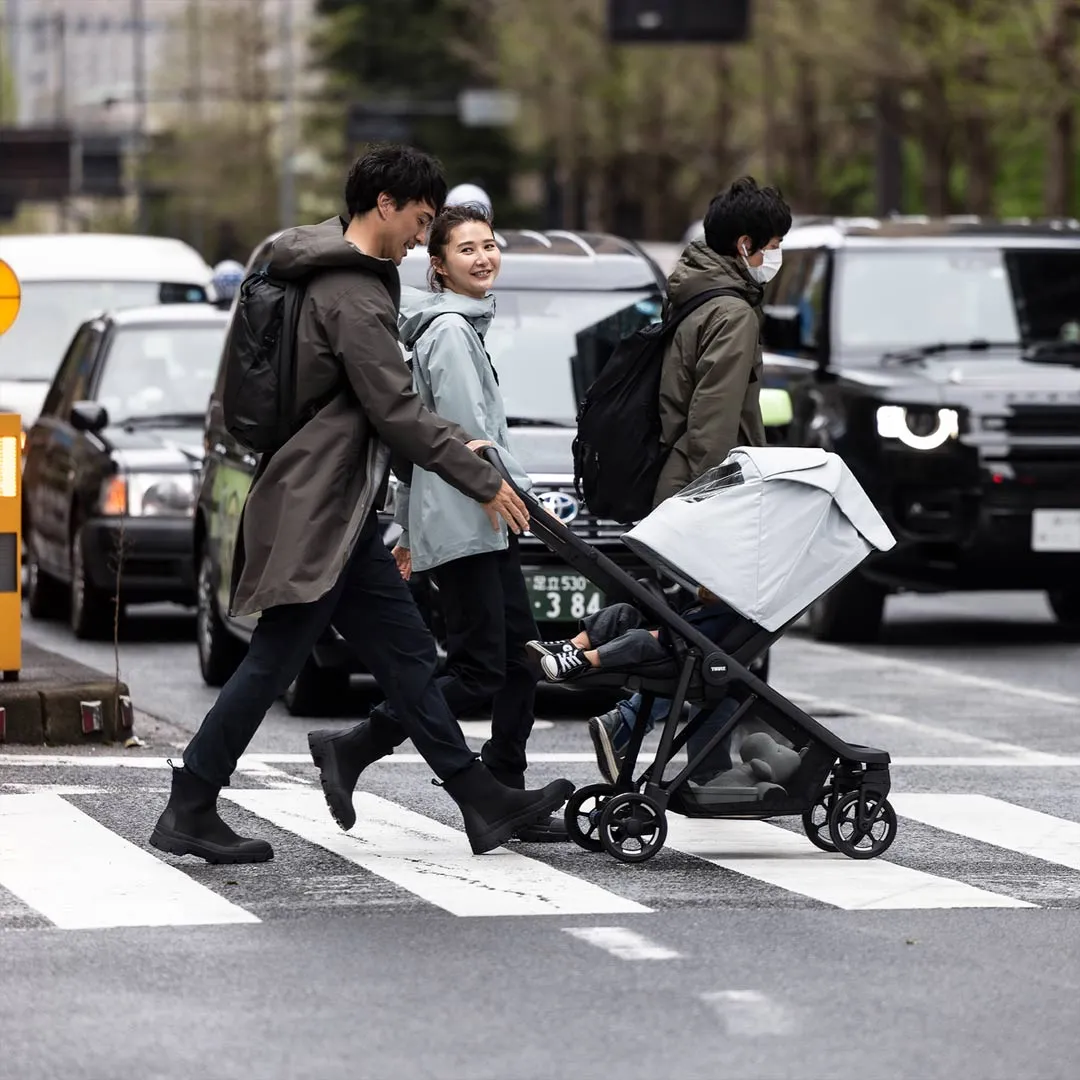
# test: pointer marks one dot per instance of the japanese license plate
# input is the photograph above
(562, 597)
(1055, 530)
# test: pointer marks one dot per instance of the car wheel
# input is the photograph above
(45, 596)
(851, 612)
(1065, 604)
(220, 651)
(92, 610)
(316, 691)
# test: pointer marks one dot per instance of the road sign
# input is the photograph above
(10, 296)
(672, 21)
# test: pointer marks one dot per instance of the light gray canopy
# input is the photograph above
(768, 531)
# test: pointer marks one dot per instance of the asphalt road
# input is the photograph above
(740, 948)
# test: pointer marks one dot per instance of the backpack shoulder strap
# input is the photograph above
(677, 314)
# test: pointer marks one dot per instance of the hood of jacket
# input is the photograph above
(307, 249)
(700, 268)
(419, 307)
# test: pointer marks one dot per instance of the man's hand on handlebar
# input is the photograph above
(508, 506)
(507, 503)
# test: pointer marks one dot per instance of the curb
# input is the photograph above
(59, 702)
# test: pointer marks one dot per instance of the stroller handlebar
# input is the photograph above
(492, 456)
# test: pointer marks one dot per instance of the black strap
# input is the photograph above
(676, 315)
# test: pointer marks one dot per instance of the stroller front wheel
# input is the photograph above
(865, 837)
(633, 827)
(582, 815)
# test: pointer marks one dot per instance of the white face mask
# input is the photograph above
(773, 259)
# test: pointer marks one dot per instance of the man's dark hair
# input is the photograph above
(442, 228)
(404, 172)
(744, 209)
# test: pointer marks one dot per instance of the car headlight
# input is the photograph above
(918, 427)
(141, 494)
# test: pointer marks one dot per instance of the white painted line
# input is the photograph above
(994, 821)
(621, 942)
(80, 875)
(53, 789)
(788, 860)
(250, 762)
(949, 735)
(933, 671)
(433, 860)
(747, 1013)
(481, 729)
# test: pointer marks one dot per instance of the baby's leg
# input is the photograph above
(628, 650)
(609, 623)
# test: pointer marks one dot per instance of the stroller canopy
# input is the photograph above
(768, 531)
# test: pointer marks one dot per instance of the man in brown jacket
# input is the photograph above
(310, 551)
(710, 383)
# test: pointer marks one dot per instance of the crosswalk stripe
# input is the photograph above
(778, 857)
(994, 821)
(432, 860)
(81, 875)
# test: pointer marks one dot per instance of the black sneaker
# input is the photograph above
(559, 667)
(540, 649)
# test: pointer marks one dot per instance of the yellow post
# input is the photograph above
(10, 503)
(10, 546)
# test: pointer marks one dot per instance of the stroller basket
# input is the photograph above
(752, 753)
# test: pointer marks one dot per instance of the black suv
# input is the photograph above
(941, 360)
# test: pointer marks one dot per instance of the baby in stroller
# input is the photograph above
(621, 638)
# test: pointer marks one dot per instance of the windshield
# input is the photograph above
(52, 311)
(548, 346)
(897, 299)
(159, 371)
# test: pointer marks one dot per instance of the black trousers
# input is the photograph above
(374, 611)
(488, 621)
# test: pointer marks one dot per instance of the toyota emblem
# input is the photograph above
(563, 505)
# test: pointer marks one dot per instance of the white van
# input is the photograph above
(66, 277)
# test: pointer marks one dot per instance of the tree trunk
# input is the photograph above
(978, 145)
(934, 138)
(1060, 158)
(1058, 49)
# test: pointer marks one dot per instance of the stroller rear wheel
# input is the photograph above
(866, 836)
(582, 815)
(633, 827)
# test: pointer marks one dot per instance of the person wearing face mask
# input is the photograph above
(482, 591)
(711, 377)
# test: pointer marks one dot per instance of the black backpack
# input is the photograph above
(618, 452)
(259, 395)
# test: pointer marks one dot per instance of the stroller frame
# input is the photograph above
(848, 811)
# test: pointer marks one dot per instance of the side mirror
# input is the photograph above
(89, 416)
(782, 330)
(776, 408)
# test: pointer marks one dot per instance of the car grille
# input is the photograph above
(1061, 420)
(590, 528)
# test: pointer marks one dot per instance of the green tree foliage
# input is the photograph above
(983, 95)
(388, 55)
(212, 173)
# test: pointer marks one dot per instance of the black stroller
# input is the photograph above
(766, 532)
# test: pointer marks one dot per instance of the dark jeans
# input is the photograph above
(489, 619)
(619, 635)
(374, 611)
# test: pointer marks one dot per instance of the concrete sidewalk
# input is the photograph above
(58, 701)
